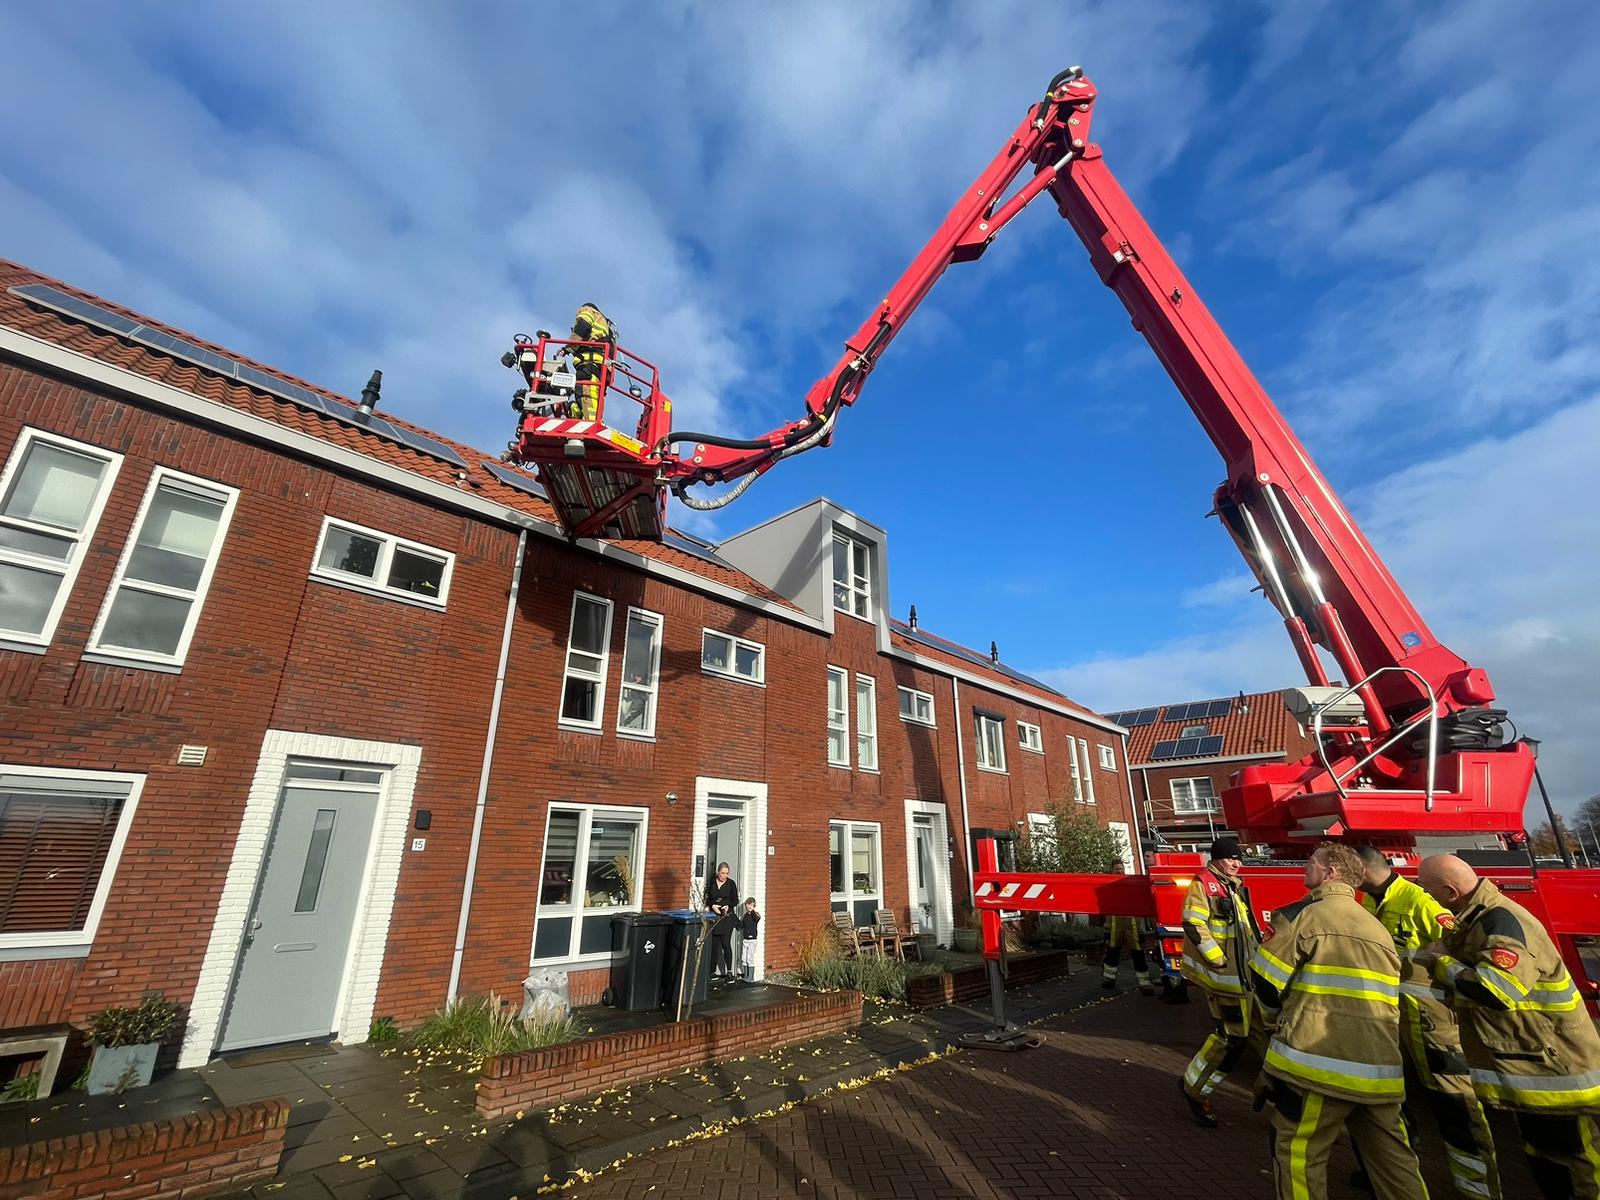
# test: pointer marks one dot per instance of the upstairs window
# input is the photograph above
(991, 740)
(583, 686)
(1072, 770)
(724, 654)
(166, 568)
(51, 495)
(1199, 730)
(1197, 795)
(1029, 738)
(1087, 771)
(866, 723)
(916, 707)
(852, 577)
(1108, 758)
(641, 670)
(838, 717)
(370, 561)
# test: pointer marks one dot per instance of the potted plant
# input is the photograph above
(966, 931)
(126, 1041)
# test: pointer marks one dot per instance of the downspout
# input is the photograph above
(1133, 805)
(961, 768)
(483, 775)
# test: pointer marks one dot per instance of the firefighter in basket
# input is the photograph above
(589, 362)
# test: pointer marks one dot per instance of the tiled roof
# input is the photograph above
(88, 340)
(1266, 728)
(931, 645)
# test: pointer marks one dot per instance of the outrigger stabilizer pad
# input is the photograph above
(1006, 1037)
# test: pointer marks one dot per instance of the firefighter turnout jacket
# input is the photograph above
(1527, 1033)
(1428, 1026)
(1331, 970)
(1219, 934)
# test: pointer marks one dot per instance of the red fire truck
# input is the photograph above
(1411, 753)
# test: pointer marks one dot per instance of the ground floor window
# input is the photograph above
(593, 868)
(61, 834)
(855, 868)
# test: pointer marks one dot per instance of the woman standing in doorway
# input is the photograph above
(722, 901)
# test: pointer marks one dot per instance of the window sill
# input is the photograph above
(870, 770)
(716, 674)
(993, 770)
(137, 664)
(905, 720)
(845, 612)
(24, 647)
(29, 953)
(382, 593)
(631, 736)
(1031, 750)
(572, 727)
(838, 766)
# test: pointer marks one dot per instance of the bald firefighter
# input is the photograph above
(1429, 1033)
(1529, 1040)
(1219, 936)
(1331, 974)
(589, 362)
(1124, 933)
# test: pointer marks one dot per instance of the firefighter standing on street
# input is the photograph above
(1530, 1043)
(1331, 972)
(1219, 936)
(588, 362)
(1429, 1034)
(1125, 934)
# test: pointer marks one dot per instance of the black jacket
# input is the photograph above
(747, 924)
(722, 893)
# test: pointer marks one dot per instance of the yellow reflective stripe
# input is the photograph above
(1369, 1079)
(1271, 967)
(1322, 989)
(1502, 983)
(1198, 911)
(1560, 996)
(1539, 1091)
(1358, 972)
(1310, 1118)
(1263, 953)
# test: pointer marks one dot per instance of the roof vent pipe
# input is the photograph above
(913, 616)
(369, 394)
(994, 653)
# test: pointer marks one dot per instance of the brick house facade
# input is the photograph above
(267, 664)
(1183, 755)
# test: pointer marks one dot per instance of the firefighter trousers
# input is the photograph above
(1220, 1053)
(1142, 970)
(1563, 1152)
(1305, 1126)
(1462, 1123)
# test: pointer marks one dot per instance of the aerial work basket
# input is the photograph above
(593, 420)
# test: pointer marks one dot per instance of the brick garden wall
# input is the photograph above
(197, 1155)
(972, 983)
(554, 1074)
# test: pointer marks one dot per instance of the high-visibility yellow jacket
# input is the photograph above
(1219, 933)
(1428, 1024)
(1332, 968)
(1528, 1036)
(1124, 932)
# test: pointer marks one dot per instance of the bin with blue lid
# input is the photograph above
(687, 935)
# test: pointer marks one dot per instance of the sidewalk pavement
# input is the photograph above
(374, 1123)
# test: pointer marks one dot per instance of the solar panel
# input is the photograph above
(1197, 710)
(1165, 749)
(523, 483)
(1219, 708)
(177, 347)
(1145, 716)
(1175, 712)
(1209, 746)
(691, 546)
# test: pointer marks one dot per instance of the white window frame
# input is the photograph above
(1029, 737)
(980, 719)
(735, 644)
(652, 689)
(1192, 805)
(68, 569)
(914, 696)
(866, 723)
(43, 942)
(1087, 772)
(197, 599)
(849, 897)
(839, 718)
(858, 587)
(388, 544)
(1074, 774)
(596, 678)
(1196, 729)
(575, 908)
(1108, 756)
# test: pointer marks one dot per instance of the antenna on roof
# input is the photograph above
(994, 653)
(369, 394)
(913, 616)
(1244, 705)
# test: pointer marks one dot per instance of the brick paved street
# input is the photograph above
(1091, 1115)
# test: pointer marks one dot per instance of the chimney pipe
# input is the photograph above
(913, 616)
(369, 394)
(994, 653)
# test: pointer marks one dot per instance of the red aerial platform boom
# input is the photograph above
(1408, 746)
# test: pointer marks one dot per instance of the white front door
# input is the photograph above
(923, 892)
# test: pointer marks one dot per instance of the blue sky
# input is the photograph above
(1391, 209)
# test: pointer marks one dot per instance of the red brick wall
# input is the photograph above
(553, 1074)
(972, 983)
(198, 1155)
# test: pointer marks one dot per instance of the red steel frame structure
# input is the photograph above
(1396, 769)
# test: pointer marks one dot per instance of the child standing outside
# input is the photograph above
(749, 921)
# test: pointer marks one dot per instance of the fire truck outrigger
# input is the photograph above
(1409, 755)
